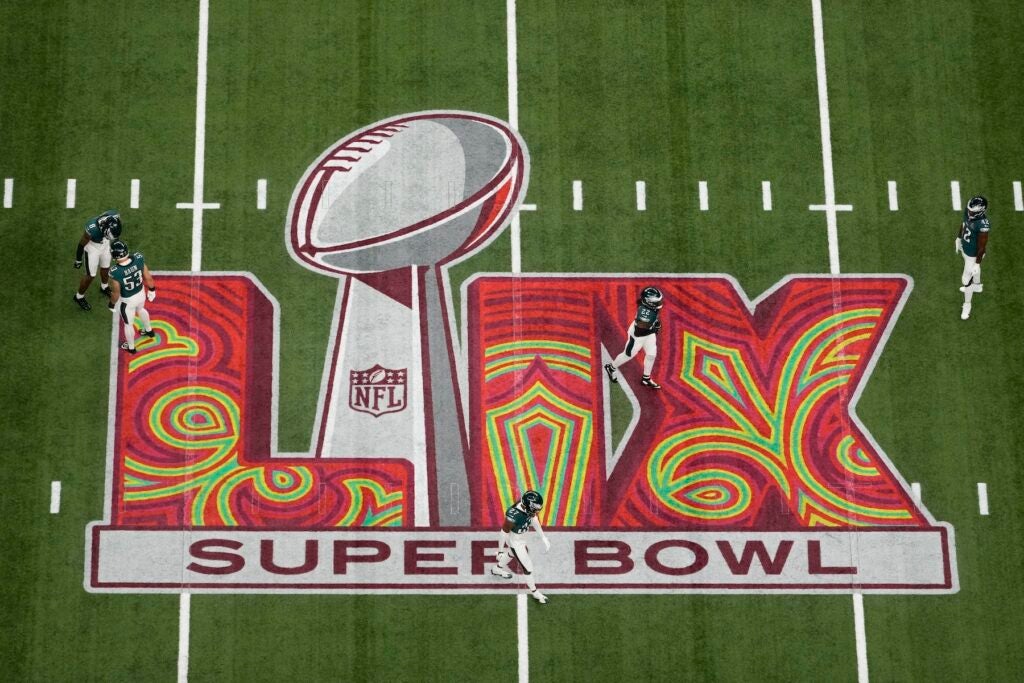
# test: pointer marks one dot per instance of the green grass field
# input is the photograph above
(672, 93)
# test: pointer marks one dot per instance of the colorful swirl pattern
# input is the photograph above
(193, 423)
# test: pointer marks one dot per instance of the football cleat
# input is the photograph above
(118, 250)
(652, 296)
(129, 349)
(82, 303)
(539, 597)
(105, 292)
(965, 312)
(610, 369)
(532, 501)
(148, 333)
(972, 288)
(977, 206)
(503, 573)
(648, 382)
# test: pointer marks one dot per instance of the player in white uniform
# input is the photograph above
(519, 519)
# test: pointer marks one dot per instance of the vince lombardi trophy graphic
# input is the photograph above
(386, 210)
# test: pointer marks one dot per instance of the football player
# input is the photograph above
(128, 275)
(971, 240)
(642, 336)
(94, 249)
(519, 519)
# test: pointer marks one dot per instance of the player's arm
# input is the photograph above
(80, 251)
(536, 527)
(147, 278)
(982, 243)
(115, 293)
(958, 245)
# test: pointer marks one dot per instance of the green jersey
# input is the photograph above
(93, 229)
(129, 275)
(969, 231)
(519, 519)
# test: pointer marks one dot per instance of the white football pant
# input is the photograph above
(517, 549)
(971, 276)
(634, 344)
(97, 255)
(128, 308)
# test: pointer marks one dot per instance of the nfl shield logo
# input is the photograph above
(377, 390)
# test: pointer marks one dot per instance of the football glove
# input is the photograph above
(78, 264)
(110, 305)
(958, 246)
(656, 326)
(150, 294)
(547, 543)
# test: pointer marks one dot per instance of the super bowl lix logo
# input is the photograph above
(749, 471)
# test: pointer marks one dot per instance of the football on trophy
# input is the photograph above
(419, 189)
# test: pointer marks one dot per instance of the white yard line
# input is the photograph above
(54, 497)
(512, 55)
(133, 202)
(702, 193)
(641, 195)
(766, 195)
(261, 194)
(184, 621)
(8, 192)
(523, 632)
(1018, 197)
(69, 201)
(894, 204)
(829, 207)
(577, 195)
(527, 207)
(983, 498)
(862, 639)
(197, 204)
(954, 191)
(915, 489)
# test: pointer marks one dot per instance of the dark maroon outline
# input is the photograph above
(318, 450)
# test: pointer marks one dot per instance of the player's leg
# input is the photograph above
(650, 346)
(501, 568)
(147, 325)
(91, 268)
(522, 554)
(628, 352)
(970, 272)
(104, 257)
(126, 309)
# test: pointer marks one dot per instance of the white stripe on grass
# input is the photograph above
(134, 199)
(523, 635)
(766, 195)
(641, 195)
(261, 194)
(1018, 197)
(826, 140)
(184, 625)
(862, 638)
(69, 199)
(577, 195)
(983, 498)
(512, 59)
(915, 489)
(702, 194)
(54, 497)
(954, 191)
(894, 204)
(8, 192)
